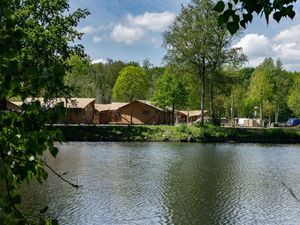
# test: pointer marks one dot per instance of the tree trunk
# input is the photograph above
(212, 113)
(202, 100)
(173, 114)
(261, 113)
(131, 113)
(232, 110)
(276, 115)
(131, 99)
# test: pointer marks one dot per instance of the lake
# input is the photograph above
(171, 183)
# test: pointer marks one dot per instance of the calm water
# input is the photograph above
(172, 183)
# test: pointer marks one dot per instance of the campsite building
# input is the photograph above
(135, 112)
(78, 110)
(190, 116)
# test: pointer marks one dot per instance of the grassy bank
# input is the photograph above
(180, 134)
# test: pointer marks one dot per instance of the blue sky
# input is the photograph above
(130, 30)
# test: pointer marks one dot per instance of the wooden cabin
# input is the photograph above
(190, 116)
(104, 113)
(141, 112)
(135, 112)
(80, 110)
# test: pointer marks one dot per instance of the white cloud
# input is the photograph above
(87, 29)
(97, 39)
(255, 45)
(126, 35)
(99, 61)
(289, 35)
(152, 21)
(285, 45)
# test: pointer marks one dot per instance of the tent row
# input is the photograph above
(86, 111)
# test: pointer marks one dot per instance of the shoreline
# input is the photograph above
(181, 133)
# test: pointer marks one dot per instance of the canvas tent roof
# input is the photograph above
(72, 103)
(110, 106)
(193, 112)
(117, 105)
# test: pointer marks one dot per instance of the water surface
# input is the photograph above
(172, 183)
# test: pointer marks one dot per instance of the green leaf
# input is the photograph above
(59, 70)
(17, 199)
(258, 8)
(219, 7)
(243, 24)
(277, 16)
(235, 18)
(221, 20)
(45, 209)
(233, 27)
(247, 17)
(54, 151)
(54, 222)
(291, 13)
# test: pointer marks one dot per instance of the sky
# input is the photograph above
(131, 30)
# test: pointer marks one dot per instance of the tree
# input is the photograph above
(130, 85)
(294, 97)
(170, 92)
(103, 77)
(261, 88)
(282, 84)
(238, 13)
(196, 43)
(78, 77)
(35, 41)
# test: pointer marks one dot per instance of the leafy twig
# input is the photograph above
(46, 165)
(57, 174)
(13, 204)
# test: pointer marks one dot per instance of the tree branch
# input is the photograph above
(291, 191)
(46, 165)
(57, 174)
(13, 204)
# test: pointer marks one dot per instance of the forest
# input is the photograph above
(267, 89)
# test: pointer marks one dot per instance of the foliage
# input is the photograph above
(238, 13)
(294, 97)
(131, 84)
(260, 89)
(102, 78)
(170, 91)
(196, 43)
(35, 42)
(77, 76)
(153, 75)
(183, 133)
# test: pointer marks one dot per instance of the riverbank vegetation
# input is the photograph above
(182, 133)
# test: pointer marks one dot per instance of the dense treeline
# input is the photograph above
(267, 90)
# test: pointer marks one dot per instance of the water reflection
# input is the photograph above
(172, 183)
